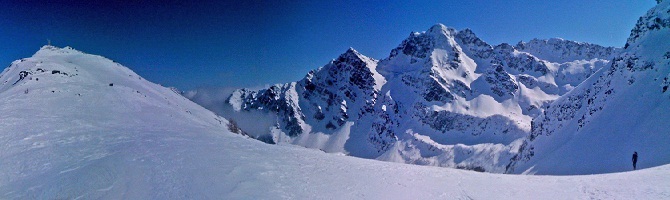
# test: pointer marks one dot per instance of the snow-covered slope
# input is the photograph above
(65, 133)
(74, 123)
(443, 97)
(623, 108)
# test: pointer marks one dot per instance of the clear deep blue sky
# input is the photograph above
(190, 44)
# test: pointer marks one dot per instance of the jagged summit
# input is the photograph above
(441, 30)
(351, 55)
(443, 36)
(351, 50)
(421, 52)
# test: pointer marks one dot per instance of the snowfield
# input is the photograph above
(76, 137)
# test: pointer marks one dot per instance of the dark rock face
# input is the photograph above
(429, 89)
(416, 46)
(382, 134)
(528, 81)
(502, 84)
(474, 46)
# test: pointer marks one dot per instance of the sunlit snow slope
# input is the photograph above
(79, 126)
(623, 108)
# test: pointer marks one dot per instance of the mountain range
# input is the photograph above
(443, 97)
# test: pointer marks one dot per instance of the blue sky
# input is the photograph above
(190, 44)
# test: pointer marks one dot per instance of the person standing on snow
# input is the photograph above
(634, 160)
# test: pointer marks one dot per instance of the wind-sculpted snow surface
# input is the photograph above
(444, 86)
(623, 108)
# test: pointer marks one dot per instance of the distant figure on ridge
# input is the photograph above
(634, 160)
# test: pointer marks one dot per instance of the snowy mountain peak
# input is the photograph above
(49, 50)
(433, 49)
(67, 74)
(443, 36)
(353, 63)
(351, 55)
(441, 30)
(51, 64)
(351, 50)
